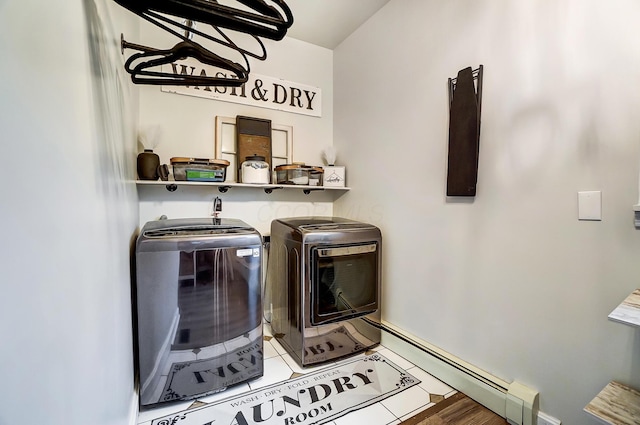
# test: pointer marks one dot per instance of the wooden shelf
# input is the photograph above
(628, 312)
(225, 186)
(616, 404)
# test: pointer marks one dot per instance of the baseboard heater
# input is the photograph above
(515, 402)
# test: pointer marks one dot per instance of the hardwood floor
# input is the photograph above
(456, 410)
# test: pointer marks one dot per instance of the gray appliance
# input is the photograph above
(198, 307)
(323, 278)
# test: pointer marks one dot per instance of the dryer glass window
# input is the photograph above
(344, 282)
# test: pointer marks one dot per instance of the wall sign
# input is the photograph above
(260, 90)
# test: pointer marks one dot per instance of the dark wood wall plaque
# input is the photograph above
(253, 137)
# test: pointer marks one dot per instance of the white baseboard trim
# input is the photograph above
(512, 400)
(544, 419)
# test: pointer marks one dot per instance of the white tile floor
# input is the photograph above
(279, 366)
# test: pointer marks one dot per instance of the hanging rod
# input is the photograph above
(124, 44)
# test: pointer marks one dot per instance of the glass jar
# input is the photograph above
(292, 174)
(255, 170)
(315, 176)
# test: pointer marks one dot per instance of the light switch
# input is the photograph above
(590, 205)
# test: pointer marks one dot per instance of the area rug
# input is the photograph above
(186, 379)
(330, 345)
(313, 398)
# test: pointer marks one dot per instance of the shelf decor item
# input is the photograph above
(148, 164)
(253, 138)
(299, 174)
(199, 169)
(254, 170)
(334, 175)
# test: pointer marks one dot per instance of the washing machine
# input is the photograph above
(197, 308)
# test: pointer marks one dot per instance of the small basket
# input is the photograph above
(199, 169)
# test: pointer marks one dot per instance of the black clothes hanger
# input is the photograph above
(179, 17)
(189, 28)
(141, 74)
(269, 22)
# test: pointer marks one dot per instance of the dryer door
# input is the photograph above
(344, 281)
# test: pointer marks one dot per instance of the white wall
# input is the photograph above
(187, 129)
(511, 281)
(70, 211)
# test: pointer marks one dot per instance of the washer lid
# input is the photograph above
(186, 227)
